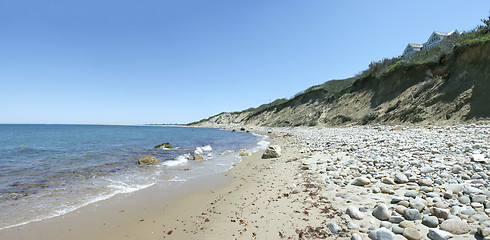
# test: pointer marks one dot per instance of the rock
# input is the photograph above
(430, 221)
(425, 182)
(468, 211)
(478, 158)
(412, 214)
(440, 212)
(484, 232)
(437, 234)
(464, 200)
(352, 226)
(456, 188)
(361, 181)
(381, 212)
(389, 181)
(457, 169)
(397, 127)
(396, 219)
(399, 237)
(479, 198)
(411, 193)
(400, 209)
(334, 228)
(198, 156)
(385, 224)
(354, 213)
(401, 178)
(455, 226)
(471, 190)
(245, 153)
(411, 234)
(387, 190)
(355, 236)
(407, 224)
(166, 145)
(273, 151)
(148, 160)
(384, 234)
(397, 230)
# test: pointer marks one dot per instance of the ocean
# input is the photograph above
(50, 170)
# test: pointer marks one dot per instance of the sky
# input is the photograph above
(179, 61)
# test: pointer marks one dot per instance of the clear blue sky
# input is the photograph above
(177, 61)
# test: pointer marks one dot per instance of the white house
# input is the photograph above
(411, 49)
(435, 39)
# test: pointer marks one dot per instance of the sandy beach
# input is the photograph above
(374, 182)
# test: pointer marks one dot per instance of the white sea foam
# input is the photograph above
(178, 160)
(118, 189)
(201, 150)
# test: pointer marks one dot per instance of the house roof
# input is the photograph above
(446, 34)
(415, 45)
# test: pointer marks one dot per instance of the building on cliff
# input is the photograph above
(436, 39)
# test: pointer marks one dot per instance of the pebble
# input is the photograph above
(407, 224)
(411, 193)
(437, 234)
(430, 172)
(411, 234)
(464, 200)
(385, 224)
(430, 221)
(334, 228)
(425, 182)
(354, 213)
(440, 212)
(455, 226)
(401, 178)
(396, 219)
(381, 234)
(455, 188)
(397, 229)
(381, 212)
(352, 226)
(361, 181)
(412, 214)
(355, 236)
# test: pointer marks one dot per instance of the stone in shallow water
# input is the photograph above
(148, 160)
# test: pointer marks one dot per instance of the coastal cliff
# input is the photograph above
(449, 90)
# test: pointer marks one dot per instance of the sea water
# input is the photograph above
(50, 170)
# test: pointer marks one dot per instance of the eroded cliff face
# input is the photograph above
(454, 90)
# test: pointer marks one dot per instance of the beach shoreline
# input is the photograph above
(329, 183)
